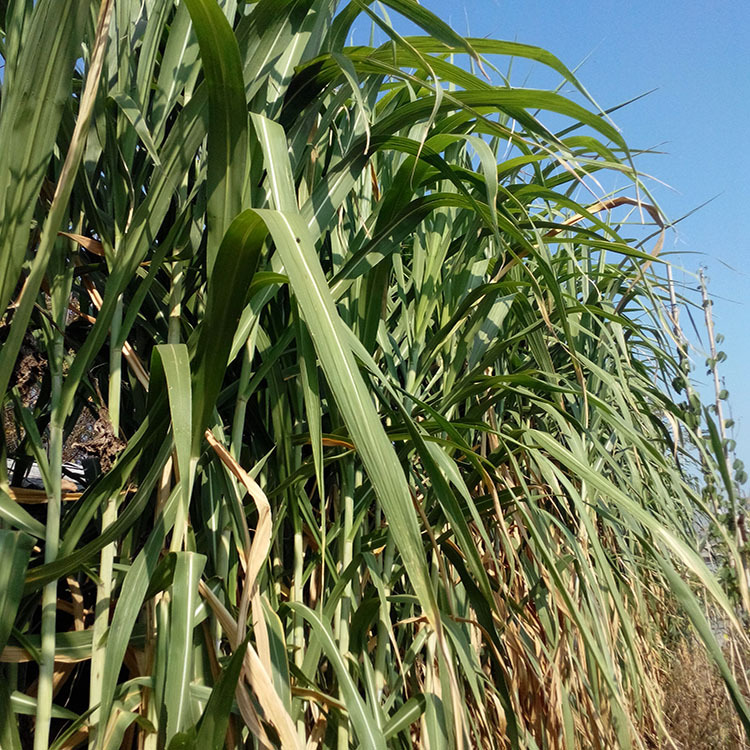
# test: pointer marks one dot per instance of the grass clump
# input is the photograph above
(396, 441)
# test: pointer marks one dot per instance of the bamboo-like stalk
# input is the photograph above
(343, 613)
(707, 305)
(106, 559)
(240, 408)
(737, 518)
(383, 647)
(51, 547)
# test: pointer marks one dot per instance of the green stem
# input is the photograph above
(115, 368)
(342, 621)
(51, 547)
(240, 407)
(383, 646)
(107, 556)
(298, 631)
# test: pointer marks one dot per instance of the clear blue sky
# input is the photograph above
(697, 57)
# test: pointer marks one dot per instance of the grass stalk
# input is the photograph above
(346, 546)
(298, 630)
(718, 405)
(383, 647)
(51, 548)
(240, 408)
(107, 556)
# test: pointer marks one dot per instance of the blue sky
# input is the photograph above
(697, 57)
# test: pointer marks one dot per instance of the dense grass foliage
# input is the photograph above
(379, 396)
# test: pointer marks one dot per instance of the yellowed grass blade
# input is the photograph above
(255, 674)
